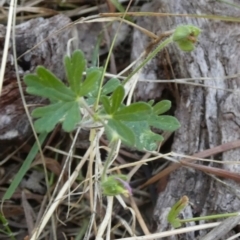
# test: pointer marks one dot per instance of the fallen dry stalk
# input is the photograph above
(206, 153)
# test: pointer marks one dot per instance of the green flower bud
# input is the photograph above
(186, 36)
(115, 185)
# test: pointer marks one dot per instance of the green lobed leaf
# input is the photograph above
(50, 80)
(110, 86)
(145, 138)
(47, 85)
(139, 111)
(117, 98)
(90, 82)
(46, 110)
(151, 102)
(49, 120)
(95, 87)
(117, 130)
(106, 104)
(163, 122)
(151, 140)
(49, 93)
(74, 67)
(162, 107)
(72, 118)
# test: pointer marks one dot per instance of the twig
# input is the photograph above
(206, 153)
(173, 232)
(222, 229)
(106, 219)
(139, 217)
(6, 43)
(59, 197)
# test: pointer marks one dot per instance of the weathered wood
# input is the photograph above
(208, 116)
(13, 120)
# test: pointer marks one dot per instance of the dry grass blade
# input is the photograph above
(7, 42)
(139, 217)
(39, 10)
(28, 211)
(59, 197)
(106, 220)
(154, 14)
(206, 153)
(172, 232)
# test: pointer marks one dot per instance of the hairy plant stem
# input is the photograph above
(5, 225)
(151, 55)
(113, 147)
(224, 215)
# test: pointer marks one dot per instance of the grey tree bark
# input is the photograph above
(209, 115)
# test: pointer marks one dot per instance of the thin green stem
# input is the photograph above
(107, 61)
(209, 217)
(104, 71)
(113, 147)
(5, 225)
(150, 56)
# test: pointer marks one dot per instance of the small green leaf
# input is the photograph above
(46, 110)
(145, 138)
(118, 130)
(90, 82)
(151, 139)
(95, 87)
(110, 86)
(72, 118)
(166, 123)
(161, 107)
(117, 98)
(175, 211)
(47, 85)
(139, 111)
(151, 102)
(74, 67)
(106, 104)
(49, 118)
